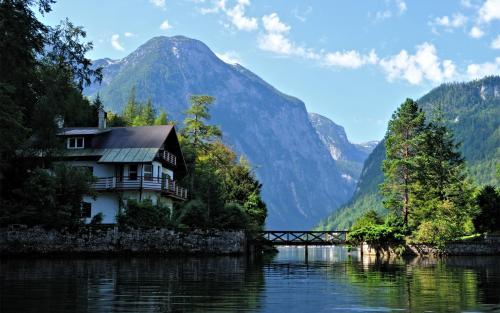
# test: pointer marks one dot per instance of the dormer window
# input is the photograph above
(75, 143)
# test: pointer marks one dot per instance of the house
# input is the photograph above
(128, 163)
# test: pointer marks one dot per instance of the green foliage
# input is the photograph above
(371, 229)
(43, 72)
(488, 217)
(144, 214)
(97, 219)
(218, 180)
(369, 218)
(193, 214)
(233, 216)
(471, 118)
(50, 198)
(161, 119)
(405, 135)
(195, 126)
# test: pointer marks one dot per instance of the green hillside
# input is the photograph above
(472, 111)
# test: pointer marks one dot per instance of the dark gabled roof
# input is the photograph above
(132, 137)
(126, 144)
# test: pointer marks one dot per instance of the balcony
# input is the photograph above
(168, 157)
(167, 186)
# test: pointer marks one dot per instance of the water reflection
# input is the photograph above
(332, 280)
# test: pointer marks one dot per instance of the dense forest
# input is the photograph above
(44, 70)
(470, 111)
(426, 191)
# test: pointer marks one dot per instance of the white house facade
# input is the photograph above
(127, 163)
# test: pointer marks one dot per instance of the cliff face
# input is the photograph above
(348, 156)
(301, 181)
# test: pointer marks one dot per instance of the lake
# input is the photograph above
(332, 280)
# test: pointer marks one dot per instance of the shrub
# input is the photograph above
(97, 219)
(143, 214)
(193, 214)
(232, 217)
(488, 202)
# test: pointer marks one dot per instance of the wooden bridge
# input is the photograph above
(304, 238)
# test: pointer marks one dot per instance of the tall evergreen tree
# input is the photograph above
(131, 109)
(161, 119)
(403, 140)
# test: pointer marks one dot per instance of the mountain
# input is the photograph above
(301, 182)
(348, 156)
(472, 111)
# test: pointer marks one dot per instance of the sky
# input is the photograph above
(352, 61)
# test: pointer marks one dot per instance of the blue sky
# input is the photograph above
(352, 61)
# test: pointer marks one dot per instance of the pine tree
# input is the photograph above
(148, 113)
(402, 141)
(131, 109)
(196, 128)
(161, 119)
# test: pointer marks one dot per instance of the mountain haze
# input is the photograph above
(301, 182)
(472, 111)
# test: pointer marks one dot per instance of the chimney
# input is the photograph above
(102, 116)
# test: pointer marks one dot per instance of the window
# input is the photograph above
(75, 143)
(132, 171)
(86, 210)
(148, 172)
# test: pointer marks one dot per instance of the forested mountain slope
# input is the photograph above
(472, 111)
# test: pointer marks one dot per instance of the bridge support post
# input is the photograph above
(306, 253)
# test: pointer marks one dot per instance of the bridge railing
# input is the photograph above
(291, 237)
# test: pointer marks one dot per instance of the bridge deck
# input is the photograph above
(305, 238)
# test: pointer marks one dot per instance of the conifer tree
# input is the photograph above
(131, 109)
(161, 119)
(403, 141)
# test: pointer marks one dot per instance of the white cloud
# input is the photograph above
(349, 59)
(401, 6)
(457, 20)
(476, 32)
(115, 42)
(230, 57)
(302, 15)
(165, 25)
(489, 11)
(129, 34)
(275, 39)
(382, 15)
(238, 18)
(495, 44)
(158, 3)
(476, 71)
(421, 66)
(236, 14)
(273, 24)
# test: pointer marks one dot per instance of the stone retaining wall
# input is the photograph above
(486, 246)
(111, 240)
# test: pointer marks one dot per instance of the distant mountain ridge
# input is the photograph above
(301, 181)
(349, 156)
(472, 111)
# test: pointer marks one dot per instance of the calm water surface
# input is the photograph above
(331, 281)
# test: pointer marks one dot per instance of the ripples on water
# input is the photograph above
(332, 280)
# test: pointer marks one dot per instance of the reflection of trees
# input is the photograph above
(445, 285)
(131, 285)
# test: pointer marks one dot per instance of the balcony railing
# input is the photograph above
(167, 156)
(165, 185)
